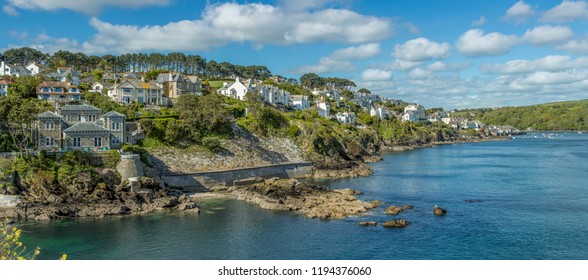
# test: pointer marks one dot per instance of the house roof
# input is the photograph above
(55, 84)
(297, 97)
(48, 114)
(113, 114)
(140, 84)
(79, 108)
(86, 127)
(4, 82)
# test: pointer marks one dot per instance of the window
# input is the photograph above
(79, 118)
(126, 90)
(49, 125)
(77, 142)
(97, 141)
(49, 141)
(140, 90)
(67, 118)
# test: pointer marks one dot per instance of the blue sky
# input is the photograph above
(451, 54)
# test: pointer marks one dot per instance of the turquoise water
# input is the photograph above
(532, 204)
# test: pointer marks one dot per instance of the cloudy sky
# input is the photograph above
(452, 54)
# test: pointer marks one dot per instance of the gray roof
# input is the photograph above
(79, 108)
(228, 85)
(297, 97)
(86, 126)
(113, 114)
(48, 114)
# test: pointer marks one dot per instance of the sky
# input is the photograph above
(450, 54)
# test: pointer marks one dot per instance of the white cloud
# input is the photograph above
(325, 65)
(403, 65)
(475, 43)
(257, 24)
(333, 25)
(338, 61)
(421, 49)
(85, 6)
(548, 35)
(447, 67)
(552, 63)
(555, 78)
(358, 52)
(420, 74)
(567, 11)
(374, 75)
(10, 10)
(481, 21)
(303, 5)
(519, 12)
(579, 46)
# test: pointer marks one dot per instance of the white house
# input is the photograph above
(66, 75)
(13, 70)
(135, 90)
(379, 112)
(235, 89)
(36, 69)
(99, 87)
(414, 113)
(4, 87)
(274, 95)
(346, 118)
(324, 109)
(301, 102)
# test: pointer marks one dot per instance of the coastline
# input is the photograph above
(146, 201)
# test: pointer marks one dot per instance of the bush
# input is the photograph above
(213, 144)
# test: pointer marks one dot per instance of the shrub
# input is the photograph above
(213, 144)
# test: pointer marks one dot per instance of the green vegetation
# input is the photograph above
(570, 115)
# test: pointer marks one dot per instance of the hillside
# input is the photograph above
(569, 115)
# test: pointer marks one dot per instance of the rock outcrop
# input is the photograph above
(399, 223)
(309, 200)
(132, 196)
(358, 169)
(370, 223)
(438, 211)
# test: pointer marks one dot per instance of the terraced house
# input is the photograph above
(80, 127)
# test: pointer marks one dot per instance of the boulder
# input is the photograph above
(393, 210)
(349, 191)
(399, 223)
(407, 207)
(438, 211)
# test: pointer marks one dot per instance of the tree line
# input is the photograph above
(136, 62)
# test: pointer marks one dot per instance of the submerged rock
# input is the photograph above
(398, 223)
(370, 223)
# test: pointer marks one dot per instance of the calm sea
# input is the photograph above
(531, 202)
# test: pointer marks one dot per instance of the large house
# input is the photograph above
(175, 85)
(380, 111)
(300, 102)
(346, 118)
(235, 89)
(66, 75)
(13, 70)
(4, 87)
(274, 95)
(36, 68)
(323, 109)
(80, 127)
(100, 87)
(414, 113)
(58, 91)
(135, 90)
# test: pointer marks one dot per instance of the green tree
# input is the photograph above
(25, 87)
(18, 115)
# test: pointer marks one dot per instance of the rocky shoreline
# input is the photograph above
(131, 197)
(309, 200)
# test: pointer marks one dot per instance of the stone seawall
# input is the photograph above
(202, 181)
